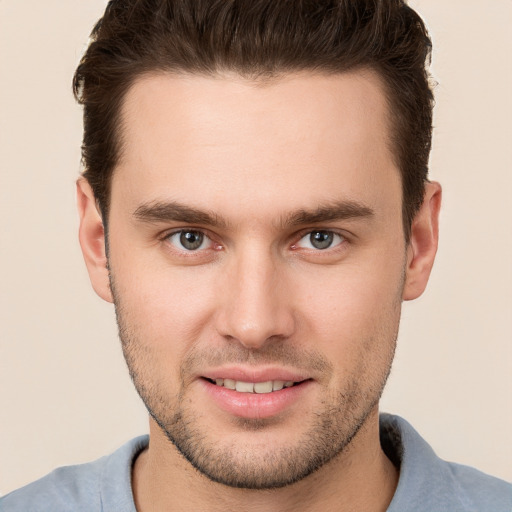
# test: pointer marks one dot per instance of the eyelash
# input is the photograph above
(330, 248)
(166, 238)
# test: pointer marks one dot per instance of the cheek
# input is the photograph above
(165, 308)
(355, 307)
(355, 326)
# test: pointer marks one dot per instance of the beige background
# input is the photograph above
(65, 396)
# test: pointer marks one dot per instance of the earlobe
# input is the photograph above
(92, 240)
(423, 243)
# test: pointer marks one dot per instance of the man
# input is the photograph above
(256, 204)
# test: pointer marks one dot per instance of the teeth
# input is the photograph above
(263, 387)
(254, 387)
(277, 385)
(244, 387)
(230, 384)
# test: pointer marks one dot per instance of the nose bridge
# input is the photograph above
(255, 307)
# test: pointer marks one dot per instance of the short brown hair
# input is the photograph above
(258, 39)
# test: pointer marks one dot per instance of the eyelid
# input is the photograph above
(305, 232)
(215, 244)
(165, 237)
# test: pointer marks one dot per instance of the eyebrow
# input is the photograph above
(328, 212)
(172, 211)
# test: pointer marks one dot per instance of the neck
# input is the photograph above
(360, 478)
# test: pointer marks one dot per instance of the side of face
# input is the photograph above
(255, 236)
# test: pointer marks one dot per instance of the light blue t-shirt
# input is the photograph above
(426, 484)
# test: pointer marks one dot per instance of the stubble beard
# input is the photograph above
(334, 424)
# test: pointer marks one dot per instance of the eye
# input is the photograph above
(189, 240)
(320, 240)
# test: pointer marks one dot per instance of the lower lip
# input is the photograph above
(255, 405)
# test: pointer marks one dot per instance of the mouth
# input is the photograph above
(269, 386)
(257, 393)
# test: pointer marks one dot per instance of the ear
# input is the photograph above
(92, 240)
(423, 243)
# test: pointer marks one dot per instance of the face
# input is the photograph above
(257, 265)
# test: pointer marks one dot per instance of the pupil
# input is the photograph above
(321, 239)
(191, 239)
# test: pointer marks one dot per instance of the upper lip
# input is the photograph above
(255, 374)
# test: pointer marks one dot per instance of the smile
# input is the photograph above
(253, 387)
(256, 400)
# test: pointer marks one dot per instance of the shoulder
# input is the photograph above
(428, 483)
(102, 485)
(71, 486)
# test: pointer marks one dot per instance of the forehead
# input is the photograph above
(225, 142)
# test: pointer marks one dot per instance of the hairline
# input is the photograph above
(260, 79)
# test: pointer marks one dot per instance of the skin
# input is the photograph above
(270, 163)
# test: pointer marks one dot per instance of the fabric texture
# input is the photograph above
(426, 483)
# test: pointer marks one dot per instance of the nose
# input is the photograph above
(255, 307)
